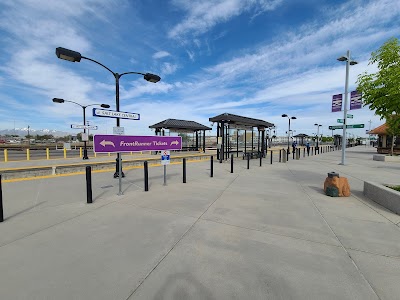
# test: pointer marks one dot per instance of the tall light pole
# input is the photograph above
(29, 138)
(318, 126)
(290, 118)
(349, 63)
(59, 100)
(74, 56)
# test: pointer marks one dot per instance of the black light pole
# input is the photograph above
(293, 118)
(318, 126)
(74, 56)
(59, 100)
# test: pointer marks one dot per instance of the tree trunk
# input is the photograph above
(391, 150)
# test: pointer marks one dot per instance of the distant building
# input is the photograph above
(384, 142)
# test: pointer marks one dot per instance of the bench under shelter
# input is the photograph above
(227, 123)
(184, 127)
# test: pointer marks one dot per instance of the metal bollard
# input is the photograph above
(280, 155)
(304, 152)
(89, 198)
(294, 151)
(271, 157)
(116, 174)
(212, 166)
(184, 170)
(1, 202)
(287, 155)
(248, 161)
(146, 176)
(232, 163)
(261, 159)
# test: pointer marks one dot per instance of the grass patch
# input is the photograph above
(394, 187)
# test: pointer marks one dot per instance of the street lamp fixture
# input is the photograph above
(290, 118)
(349, 62)
(60, 100)
(75, 56)
(318, 126)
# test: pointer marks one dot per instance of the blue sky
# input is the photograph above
(256, 58)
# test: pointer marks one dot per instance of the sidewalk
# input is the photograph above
(261, 233)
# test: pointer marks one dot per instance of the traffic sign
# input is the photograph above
(347, 126)
(98, 112)
(340, 120)
(165, 157)
(350, 116)
(118, 130)
(355, 126)
(103, 143)
(74, 126)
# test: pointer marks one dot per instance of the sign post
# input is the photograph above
(165, 160)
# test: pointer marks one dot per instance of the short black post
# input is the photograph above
(294, 153)
(248, 161)
(212, 166)
(89, 184)
(146, 176)
(304, 152)
(315, 150)
(280, 155)
(1, 202)
(231, 163)
(184, 170)
(287, 155)
(261, 159)
(270, 157)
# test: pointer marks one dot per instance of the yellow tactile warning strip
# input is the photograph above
(98, 162)
(97, 171)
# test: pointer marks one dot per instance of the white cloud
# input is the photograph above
(203, 15)
(160, 54)
(168, 68)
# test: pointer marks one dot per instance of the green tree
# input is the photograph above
(381, 90)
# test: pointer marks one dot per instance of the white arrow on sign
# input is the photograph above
(104, 143)
(74, 126)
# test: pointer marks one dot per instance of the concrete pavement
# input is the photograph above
(264, 233)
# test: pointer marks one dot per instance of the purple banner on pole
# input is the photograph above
(337, 102)
(355, 100)
(129, 143)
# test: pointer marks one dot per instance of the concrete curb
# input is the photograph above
(382, 157)
(383, 195)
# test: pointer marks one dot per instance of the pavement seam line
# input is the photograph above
(342, 246)
(180, 239)
(53, 225)
(273, 233)
(373, 253)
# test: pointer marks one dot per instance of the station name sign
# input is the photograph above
(98, 112)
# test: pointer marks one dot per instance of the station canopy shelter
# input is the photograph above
(198, 140)
(226, 138)
(300, 138)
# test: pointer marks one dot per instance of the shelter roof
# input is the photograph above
(240, 120)
(180, 124)
(381, 130)
(301, 135)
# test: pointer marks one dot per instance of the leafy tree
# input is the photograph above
(381, 90)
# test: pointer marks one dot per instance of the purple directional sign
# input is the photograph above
(129, 143)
